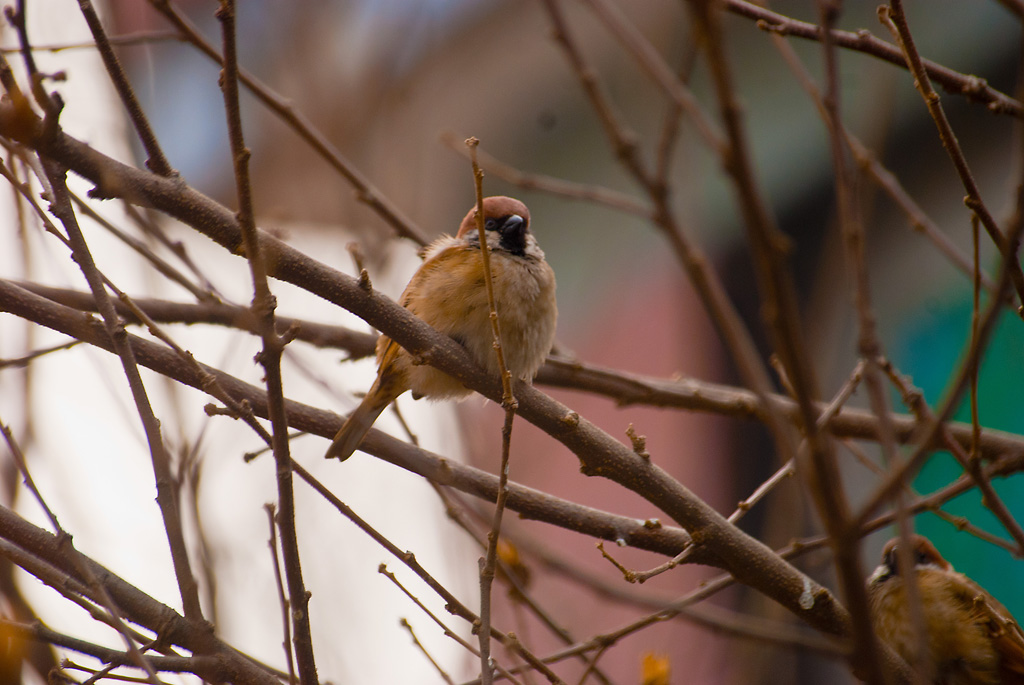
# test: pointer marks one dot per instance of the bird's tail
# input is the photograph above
(359, 422)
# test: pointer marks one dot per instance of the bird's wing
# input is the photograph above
(1007, 636)
(388, 349)
(1008, 640)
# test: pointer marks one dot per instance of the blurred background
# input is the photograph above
(392, 83)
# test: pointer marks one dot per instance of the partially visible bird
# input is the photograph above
(448, 293)
(970, 638)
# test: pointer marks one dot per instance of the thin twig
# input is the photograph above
(25, 360)
(509, 404)
(263, 305)
(358, 344)
(423, 650)
(452, 603)
(154, 230)
(885, 179)
(166, 496)
(517, 581)
(365, 191)
(816, 455)
(895, 20)
(286, 623)
(598, 195)
(672, 126)
(968, 460)
(156, 162)
(124, 39)
(971, 87)
(652, 63)
(19, 460)
(383, 570)
(975, 320)
(729, 324)
(932, 429)
(159, 263)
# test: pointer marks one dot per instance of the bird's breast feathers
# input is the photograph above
(449, 293)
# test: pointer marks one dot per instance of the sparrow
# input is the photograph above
(971, 639)
(448, 292)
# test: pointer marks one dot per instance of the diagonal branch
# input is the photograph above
(816, 457)
(748, 559)
(529, 503)
(894, 18)
(166, 495)
(365, 191)
(157, 162)
(971, 87)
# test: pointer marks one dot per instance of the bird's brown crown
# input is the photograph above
(923, 554)
(495, 207)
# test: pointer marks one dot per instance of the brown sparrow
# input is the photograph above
(448, 292)
(971, 639)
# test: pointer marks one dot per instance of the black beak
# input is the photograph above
(513, 234)
(514, 228)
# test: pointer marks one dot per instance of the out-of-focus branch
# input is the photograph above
(365, 191)
(555, 186)
(652, 63)
(157, 162)
(971, 87)
(885, 179)
(815, 457)
(124, 39)
(358, 344)
(627, 388)
(731, 327)
(894, 18)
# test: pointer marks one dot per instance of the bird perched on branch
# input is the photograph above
(448, 293)
(970, 638)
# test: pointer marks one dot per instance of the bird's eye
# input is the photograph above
(491, 224)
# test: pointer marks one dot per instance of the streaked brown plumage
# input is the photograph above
(971, 638)
(448, 293)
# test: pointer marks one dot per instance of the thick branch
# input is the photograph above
(623, 387)
(529, 503)
(748, 559)
(136, 605)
